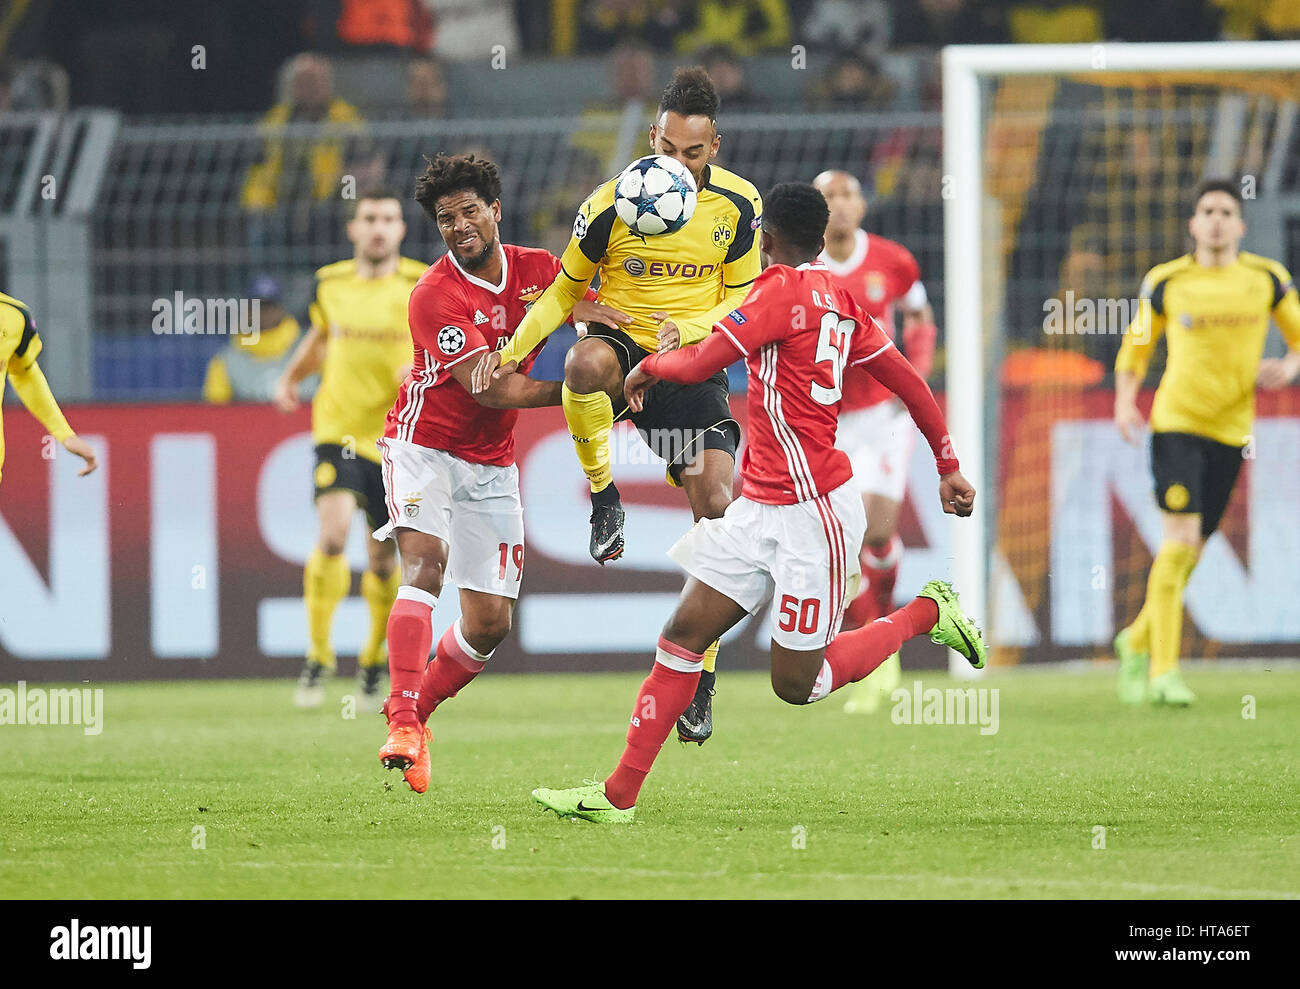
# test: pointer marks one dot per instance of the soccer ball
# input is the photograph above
(655, 195)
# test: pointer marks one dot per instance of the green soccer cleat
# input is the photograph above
(1169, 688)
(954, 629)
(1132, 683)
(866, 696)
(588, 802)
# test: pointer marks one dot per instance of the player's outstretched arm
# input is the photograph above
(956, 494)
(893, 370)
(1128, 417)
(307, 358)
(1277, 372)
(1135, 352)
(512, 391)
(497, 364)
(693, 364)
(34, 391)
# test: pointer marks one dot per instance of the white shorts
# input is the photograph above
(805, 554)
(474, 508)
(879, 441)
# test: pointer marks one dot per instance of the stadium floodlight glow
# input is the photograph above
(963, 253)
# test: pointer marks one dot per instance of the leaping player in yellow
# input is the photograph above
(668, 290)
(1214, 306)
(361, 343)
(19, 348)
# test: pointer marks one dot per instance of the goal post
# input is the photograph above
(970, 328)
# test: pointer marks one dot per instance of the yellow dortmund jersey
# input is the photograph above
(697, 274)
(19, 348)
(368, 347)
(1216, 320)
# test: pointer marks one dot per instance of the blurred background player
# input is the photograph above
(789, 535)
(249, 369)
(1214, 304)
(360, 343)
(449, 453)
(19, 347)
(689, 426)
(875, 429)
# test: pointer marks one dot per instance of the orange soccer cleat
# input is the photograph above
(417, 773)
(402, 750)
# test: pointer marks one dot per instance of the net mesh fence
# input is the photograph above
(1088, 185)
(191, 206)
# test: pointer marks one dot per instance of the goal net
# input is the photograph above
(1068, 174)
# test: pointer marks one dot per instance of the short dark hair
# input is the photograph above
(372, 193)
(1231, 186)
(446, 174)
(690, 93)
(796, 213)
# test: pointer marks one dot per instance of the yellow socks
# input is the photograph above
(325, 582)
(590, 418)
(379, 594)
(711, 656)
(1163, 609)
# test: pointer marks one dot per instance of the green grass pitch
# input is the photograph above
(782, 803)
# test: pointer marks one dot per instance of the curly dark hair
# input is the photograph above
(456, 173)
(690, 93)
(796, 213)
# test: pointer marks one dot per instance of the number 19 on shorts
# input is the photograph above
(511, 555)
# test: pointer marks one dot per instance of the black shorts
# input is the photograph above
(676, 421)
(364, 478)
(1194, 475)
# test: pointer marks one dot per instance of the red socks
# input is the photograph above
(664, 695)
(410, 634)
(879, 571)
(455, 664)
(853, 655)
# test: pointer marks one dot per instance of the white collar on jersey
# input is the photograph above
(494, 289)
(816, 264)
(854, 259)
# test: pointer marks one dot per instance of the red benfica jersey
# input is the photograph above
(796, 371)
(456, 317)
(878, 273)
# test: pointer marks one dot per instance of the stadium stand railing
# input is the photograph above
(171, 216)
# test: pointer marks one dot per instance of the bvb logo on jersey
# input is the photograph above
(326, 474)
(722, 233)
(1176, 497)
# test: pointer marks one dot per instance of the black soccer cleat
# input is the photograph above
(310, 691)
(370, 681)
(606, 525)
(696, 722)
